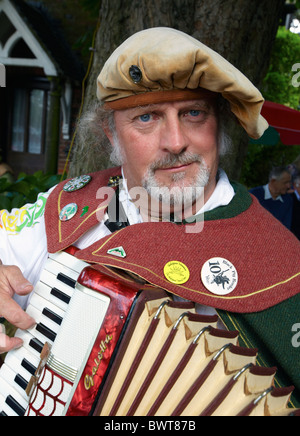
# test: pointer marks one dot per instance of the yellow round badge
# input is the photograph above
(176, 272)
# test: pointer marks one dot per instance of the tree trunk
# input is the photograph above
(242, 31)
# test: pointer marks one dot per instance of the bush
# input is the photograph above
(24, 190)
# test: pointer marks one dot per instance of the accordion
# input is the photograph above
(106, 345)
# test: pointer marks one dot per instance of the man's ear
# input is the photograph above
(108, 133)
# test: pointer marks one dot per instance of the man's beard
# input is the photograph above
(180, 192)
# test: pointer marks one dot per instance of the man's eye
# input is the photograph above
(145, 118)
(194, 113)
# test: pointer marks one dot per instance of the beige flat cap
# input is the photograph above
(164, 64)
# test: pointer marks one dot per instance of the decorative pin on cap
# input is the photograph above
(135, 74)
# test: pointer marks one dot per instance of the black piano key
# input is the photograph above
(36, 345)
(66, 280)
(60, 295)
(3, 414)
(28, 366)
(15, 406)
(46, 331)
(21, 381)
(51, 315)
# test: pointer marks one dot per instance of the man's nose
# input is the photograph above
(173, 138)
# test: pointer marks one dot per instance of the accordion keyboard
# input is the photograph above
(48, 306)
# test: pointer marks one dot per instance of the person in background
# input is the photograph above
(274, 195)
(294, 168)
(296, 207)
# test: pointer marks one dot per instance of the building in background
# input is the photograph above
(40, 103)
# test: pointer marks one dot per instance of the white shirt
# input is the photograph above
(23, 239)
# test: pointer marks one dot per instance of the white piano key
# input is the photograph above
(56, 268)
(41, 319)
(69, 261)
(16, 367)
(11, 397)
(11, 378)
(51, 280)
(29, 342)
(4, 408)
(22, 360)
(45, 291)
(42, 304)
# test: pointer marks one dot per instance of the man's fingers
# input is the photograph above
(12, 277)
(13, 313)
(7, 344)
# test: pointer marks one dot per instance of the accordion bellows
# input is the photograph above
(173, 362)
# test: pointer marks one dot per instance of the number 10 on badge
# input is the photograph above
(219, 276)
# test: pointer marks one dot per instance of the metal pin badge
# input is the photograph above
(118, 252)
(77, 183)
(176, 272)
(68, 212)
(135, 73)
(219, 276)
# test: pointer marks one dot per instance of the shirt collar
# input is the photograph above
(268, 195)
(222, 196)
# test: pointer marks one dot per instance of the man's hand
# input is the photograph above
(12, 282)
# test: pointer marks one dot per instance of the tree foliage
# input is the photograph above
(14, 194)
(277, 85)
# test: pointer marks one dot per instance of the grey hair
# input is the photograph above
(277, 172)
(98, 117)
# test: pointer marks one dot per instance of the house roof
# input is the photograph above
(50, 36)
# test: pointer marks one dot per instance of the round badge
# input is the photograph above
(68, 212)
(135, 73)
(219, 276)
(176, 272)
(77, 183)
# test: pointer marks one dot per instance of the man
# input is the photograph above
(164, 100)
(295, 228)
(274, 195)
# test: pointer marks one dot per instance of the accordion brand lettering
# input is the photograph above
(89, 379)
